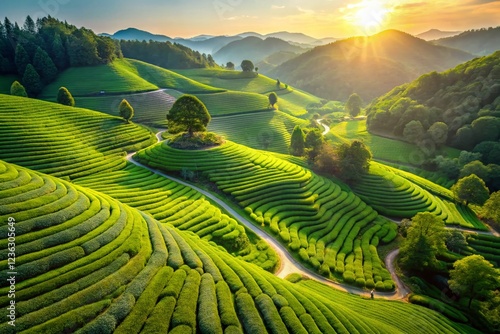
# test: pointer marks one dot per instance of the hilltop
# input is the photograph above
(433, 34)
(481, 42)
(369, 66)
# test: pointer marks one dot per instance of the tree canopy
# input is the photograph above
(491, 208)
(64, 97)
(425, 239)
(273, 99)
(32, 81)
(353, 105)
(353, 160)
(188, 114)
(473, 277)
(247, 66)
(297, 142)
(471, 189)
(17, 89)
(126, 110)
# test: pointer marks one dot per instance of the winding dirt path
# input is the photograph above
(289, 265)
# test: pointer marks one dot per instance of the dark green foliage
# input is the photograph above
(313, 142)
(353, 160)
(59, 53)
(230, 65)
(471, 189)
(64, 97)
(17, 89)
(188, 114)
(126, 110)
(297, 142)
(439, 133)
(208, 316)
(353, 105)
(473, 277)
(248, 314)
(273, 99)
(477, 168)
(32, 81)
(413, 132)
(44, 66)
(166, 55)
(22, 59)
(247, 66)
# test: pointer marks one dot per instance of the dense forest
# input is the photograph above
(459, 107)
(481, 42)
(166, 54)
(38, 51)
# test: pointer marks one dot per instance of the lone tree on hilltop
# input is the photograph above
(126, 111)
(230, 65)
(353, 160)
(471, 189)
(473, 277)
(247, 66)
(353, 105)
(425, 239)
(188, 114)
(273, 99)
(64, 97)
(17, 89)
(297, 142)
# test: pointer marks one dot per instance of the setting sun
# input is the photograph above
(369, 15)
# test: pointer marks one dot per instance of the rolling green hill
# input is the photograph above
(481, 42)
(369, 66)
(65, 141)
(111, 269)
(330, 229)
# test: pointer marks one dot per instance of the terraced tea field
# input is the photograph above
(485, 245)
(87, 263)
(392, 193)
(64, 141)
(185, 209)
(233, 102)
(266, 131)
(330, 229)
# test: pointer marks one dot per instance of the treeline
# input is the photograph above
(166, 54)
(38, 51)
(466, 99)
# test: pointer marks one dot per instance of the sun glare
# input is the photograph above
(370, 15)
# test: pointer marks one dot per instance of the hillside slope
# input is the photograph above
(481, 42)
(369, 66)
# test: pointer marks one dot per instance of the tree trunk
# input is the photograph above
(190, 132)
(470, 302)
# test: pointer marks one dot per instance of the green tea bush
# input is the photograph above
(248, 314)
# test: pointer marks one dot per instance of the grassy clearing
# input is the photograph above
(110, 268)
(330, 229)
(397, 193)
(266, 131)
(65, 141)
(5, 83)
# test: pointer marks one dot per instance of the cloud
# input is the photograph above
(277, 7)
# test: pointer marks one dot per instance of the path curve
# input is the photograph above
(327, 128)
(288, 264)
(390, 260)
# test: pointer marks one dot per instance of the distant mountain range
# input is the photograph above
(436, 34)
(481, 42)
(211, 44)
(369, 66)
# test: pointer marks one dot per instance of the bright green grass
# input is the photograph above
(65, 141)
(266, 130)
(396, 193)
(382, 148)
(111, 78)
(149, 108)
(113, 269)
(233, 102)
(171, 203)
(5, 83)
(296, 102)
(330, 229)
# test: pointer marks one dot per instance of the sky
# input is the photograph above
(317, 18)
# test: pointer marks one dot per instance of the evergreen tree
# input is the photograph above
(59, 53)
(126, 111)
(297, 142)
(44, 66)
(29, 26)
(64, 97)
(32, 81)
(17, 89)
(22, 59)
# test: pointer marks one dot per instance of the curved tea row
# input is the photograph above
(65, 141)
(182, 207)
(88, 264)
(330, 229)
